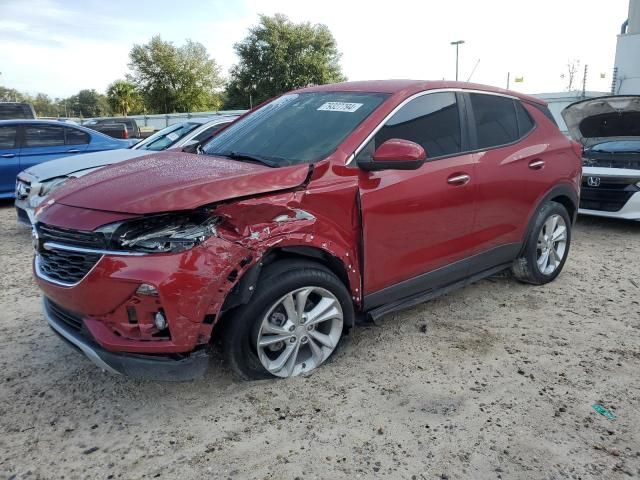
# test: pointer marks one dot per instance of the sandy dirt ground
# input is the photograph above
(495, 381)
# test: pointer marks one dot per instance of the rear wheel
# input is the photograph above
(547, 247)
(292, 325)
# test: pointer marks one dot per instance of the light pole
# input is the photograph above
(457, 43)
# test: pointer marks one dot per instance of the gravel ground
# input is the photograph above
(494, 381)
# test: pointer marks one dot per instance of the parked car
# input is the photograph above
(35, 183)
(15, 110)
(327, 202)
(24, 143)
(120, 127)
(609, 130)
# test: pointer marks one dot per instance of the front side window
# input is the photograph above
(166, 137)
(295, 128)
(8, 136)
(431, 120)
(76, 137)
(495, 120)
(43, 136)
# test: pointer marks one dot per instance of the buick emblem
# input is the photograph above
(593, 181)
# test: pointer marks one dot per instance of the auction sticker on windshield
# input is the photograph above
(340, 107)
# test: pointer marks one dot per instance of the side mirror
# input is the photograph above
(396, 154)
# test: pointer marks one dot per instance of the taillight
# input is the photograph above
(577, 147)
(126, 134)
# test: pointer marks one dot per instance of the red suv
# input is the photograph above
(326, 203)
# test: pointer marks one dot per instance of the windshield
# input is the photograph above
(622, 146)
(295, 128)
(166, 137)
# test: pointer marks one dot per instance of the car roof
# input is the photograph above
(36, 120)
(410, 87)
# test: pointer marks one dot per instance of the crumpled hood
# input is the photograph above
(69, 165)
(603, 119)
(171, 181)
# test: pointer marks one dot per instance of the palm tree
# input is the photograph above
(122, 96)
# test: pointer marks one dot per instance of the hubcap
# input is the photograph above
(299, 331)
(552, 244)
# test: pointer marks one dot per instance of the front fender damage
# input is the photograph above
(265, 224)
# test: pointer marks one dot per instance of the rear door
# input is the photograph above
(76, 140)
(41, 143)
(511, 171)
(9, 159)
(417, 221)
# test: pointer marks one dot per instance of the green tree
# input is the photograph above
(44, 106)
(279, 55)
(87, 103)
(123, 97)
(175, 79)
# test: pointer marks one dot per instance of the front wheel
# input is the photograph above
(292, 324)
(547, 246)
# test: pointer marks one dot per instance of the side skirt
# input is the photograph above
(441, 281)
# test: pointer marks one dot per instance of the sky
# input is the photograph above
(59, 47)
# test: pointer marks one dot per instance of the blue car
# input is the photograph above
(24, 143)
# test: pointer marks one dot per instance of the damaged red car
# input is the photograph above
(323, 205)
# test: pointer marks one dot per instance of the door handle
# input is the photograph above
(73, 150)
(8, 155)
(536, 164)
(460, 179)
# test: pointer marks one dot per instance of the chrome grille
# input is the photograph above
(75, 238)
(62, 266)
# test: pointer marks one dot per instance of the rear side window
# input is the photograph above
(495, 120)
(76, 137)
(43, 136)
(525, 122)
(8, 136)
(431, 120)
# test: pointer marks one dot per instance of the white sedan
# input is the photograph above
(35, 183)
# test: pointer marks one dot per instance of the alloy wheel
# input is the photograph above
(299, 331)
(552, 244)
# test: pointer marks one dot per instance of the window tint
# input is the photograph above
(43, 136)
(76, 137)
(8, 137)
(431, 120)
(525, 122)
(495, 119)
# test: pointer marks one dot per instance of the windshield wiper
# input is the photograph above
(248, 156)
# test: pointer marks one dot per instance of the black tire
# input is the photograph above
(241, 327)
(525, 268)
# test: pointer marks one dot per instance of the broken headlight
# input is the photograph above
(51, 185)
(161, 233)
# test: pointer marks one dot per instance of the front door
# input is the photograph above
(417, 221)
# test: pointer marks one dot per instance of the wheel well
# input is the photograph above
(328, 260)
(243, 290)
(568, 204)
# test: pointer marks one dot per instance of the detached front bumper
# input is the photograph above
(146, 367)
